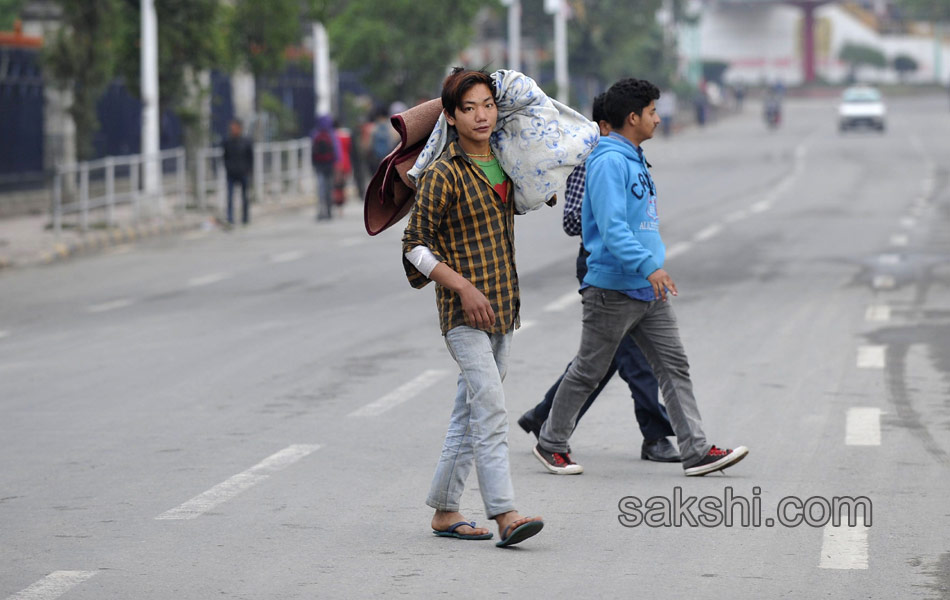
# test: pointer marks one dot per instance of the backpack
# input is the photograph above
(382, 142)
(321, 149)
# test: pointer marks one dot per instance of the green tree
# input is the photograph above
(859, 55)
(190, 42)
(81, 59)
(400, 49)
(610, 40)
(261, 31)
(9, 11)
(926, 10)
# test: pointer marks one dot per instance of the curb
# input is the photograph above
(100, 240)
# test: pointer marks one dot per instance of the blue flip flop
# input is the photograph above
(519, 533)
(450, 532)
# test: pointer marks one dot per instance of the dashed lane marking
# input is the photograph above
(525, 325)
(761, 206)
(285, 257)
(871, 357)
(400, 394)
(112, 305)
(708, 233)
(908, 222)
(844, 547)
(678, 249)
(208, 279)
(53, 585)
(900, 239)
(863, 427)
(879, 313)
(241, 482)
(569, 299)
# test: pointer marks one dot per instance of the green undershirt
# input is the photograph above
(492, 170)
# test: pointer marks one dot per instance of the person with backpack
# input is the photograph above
(324, 154)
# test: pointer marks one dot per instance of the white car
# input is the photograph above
(861, 106)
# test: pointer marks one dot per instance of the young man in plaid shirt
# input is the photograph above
(461, 235)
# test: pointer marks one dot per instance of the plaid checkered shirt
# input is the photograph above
(573, 198)
(463, 221)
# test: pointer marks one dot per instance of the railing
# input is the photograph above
(281, 170)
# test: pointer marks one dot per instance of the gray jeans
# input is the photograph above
(608, 316)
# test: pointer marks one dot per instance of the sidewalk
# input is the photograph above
(30, 240)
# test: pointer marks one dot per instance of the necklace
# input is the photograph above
(490, 153)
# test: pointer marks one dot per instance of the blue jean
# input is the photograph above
(478, 428)
(609, 316)
(240, 180)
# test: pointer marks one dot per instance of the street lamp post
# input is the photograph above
(149, 88)
(559, 9)
(514, 33)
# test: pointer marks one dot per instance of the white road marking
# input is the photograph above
(908, 222)
(53, 585)
(4, 334)
(194, 235)
(353, 241)
(233, 486)
(708, 233)
(677, 249)
(889, 259)
(400, 394)
(844, 548)
(569, 299)
(208, 279)
(879, 313)
(871, 357)
(113, 305)
(863, 427)
(737, 216)
(284, 257)
(525, 325)
(884, 282)
(761, 206)
(900, 239)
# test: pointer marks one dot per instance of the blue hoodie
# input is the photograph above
(620, 225)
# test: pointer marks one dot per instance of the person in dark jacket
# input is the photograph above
(238, 164)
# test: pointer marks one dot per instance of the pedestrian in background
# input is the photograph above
(343, 169)
(238, 164)
(324, 155)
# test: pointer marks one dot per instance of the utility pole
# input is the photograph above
(151, 172)
(559, 9)
(321, 70)
(514, 33)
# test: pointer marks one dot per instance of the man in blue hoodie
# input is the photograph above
(625, 289)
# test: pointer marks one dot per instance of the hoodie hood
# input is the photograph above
(611, 144)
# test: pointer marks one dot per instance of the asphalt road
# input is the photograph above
(257, 414)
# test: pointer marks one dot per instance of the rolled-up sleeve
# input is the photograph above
(425, 221)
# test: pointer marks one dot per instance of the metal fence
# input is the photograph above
(96, 189)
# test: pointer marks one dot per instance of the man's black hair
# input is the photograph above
(460, 81)
(597, 113)
(628, 96)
